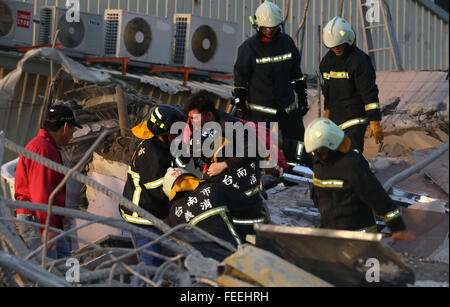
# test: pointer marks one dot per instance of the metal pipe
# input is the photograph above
(341, 8)
(88, 181)
(288, 5)
(319, 55)
(300, 27)
(414, 169)
(31, 271)
(122, 111)
(2, 146)
(113, 222)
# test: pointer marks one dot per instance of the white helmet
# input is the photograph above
(322, 132)
(171, 176)
(337, 32)
(268, 15)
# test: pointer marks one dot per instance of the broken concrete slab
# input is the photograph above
(101, 205)
(339, 257)
(430, 223)
(438, 171)
(107, 167)
(409, 140)
(261, 268)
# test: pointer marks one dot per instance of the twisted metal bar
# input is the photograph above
(31, 271)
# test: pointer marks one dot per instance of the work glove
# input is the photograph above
(240, 102)
(376, 131)
(326, 113)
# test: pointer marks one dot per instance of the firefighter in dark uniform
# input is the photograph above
(345, 190)
(350, 91)
(146, 173)
(205, 205)
(266, 73)
(241, 169)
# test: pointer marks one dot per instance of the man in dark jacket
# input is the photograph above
(146, 173)
(205, 205)
(345, 190)
(351, 95)
(238, 167)
(266, 73)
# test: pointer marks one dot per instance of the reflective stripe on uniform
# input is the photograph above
(262, 109)
(249, 221)
(154, 120)
(137, 196)
(372, 106)
(253, 191)
(299, 150)
(207, 214)
(275, 59)
(219, 210)
(290, 108)
(154, 184)
(371, 229)
(353, 122)
(135, 219)
(329, 183)
(391, 215)
(179, 163)
(335, 75)
(137, 186)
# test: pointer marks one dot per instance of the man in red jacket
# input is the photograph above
(35, 182)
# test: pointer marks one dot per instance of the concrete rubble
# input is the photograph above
(415, 122)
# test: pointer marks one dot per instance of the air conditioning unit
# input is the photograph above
(85, 37)
(140, 37)
(204, 43)
(16, 23)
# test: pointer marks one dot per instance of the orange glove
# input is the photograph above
(403, 235)
(326, 113)
(376, 131)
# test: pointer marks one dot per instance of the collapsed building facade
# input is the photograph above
(415, 118)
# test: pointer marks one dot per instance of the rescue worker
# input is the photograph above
(240, 170)
(205, 205)
(266, 73)
(349, 89)
(146, 172)
(345, 190)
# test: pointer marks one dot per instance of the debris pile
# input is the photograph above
(101, 239)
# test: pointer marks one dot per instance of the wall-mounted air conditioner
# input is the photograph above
(85, 37)
(140, 37)
(204, 43)
(16, 23)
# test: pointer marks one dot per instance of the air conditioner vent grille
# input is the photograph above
(111, 32)
(45, 27)
(180, 40)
